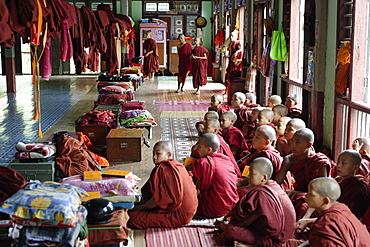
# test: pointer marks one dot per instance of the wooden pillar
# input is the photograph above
(10, 70)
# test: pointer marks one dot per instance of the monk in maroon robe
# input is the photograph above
(304, 164)
(151, 58)
(184, 50)
(237, 102)
(216, 179)
(364, 169)
(217, 104)
(169, 195)
(235, 66)
(200, 65)
(291, 103)
(264, 216)
(232, 135)
(336, 224)
(362, 145)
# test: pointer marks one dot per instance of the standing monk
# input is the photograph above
(184, 50)
(200, 64)
(151, 58)
(169, 196)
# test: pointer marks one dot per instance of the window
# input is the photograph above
(163, 7)
(149, 7)
(26, 58)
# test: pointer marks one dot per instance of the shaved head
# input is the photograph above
(219, 97)
(241, 96)
(297, 123)
(210, 140)
(354, 156)
(212, 123)
(269, 114)
(365, 142)
(268, 132)
(327, 187)
(263, 165)
(230, 115)
(165, 145)
(210, 115)
(275, 99)
(281, 110)
(251, 96)
(306, 133)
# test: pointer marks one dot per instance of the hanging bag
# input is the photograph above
(278, 45)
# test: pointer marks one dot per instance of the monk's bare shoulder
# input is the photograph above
(289, 160)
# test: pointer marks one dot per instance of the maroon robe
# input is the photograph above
(234, 137)
(10, 182)
(151, 62)
(6, 34)
(251, 107)
(199, 69)
(174, 194)
(185, 62)
(338, 226)
(242, 117)
(220, 109)
(355, 193)
(218, 192)
(276, 217)
(364, 168)
(294, 112)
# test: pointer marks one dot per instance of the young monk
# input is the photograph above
(265, 117)
(209, 115)
(291, 103)
(184, 51)
(217, 104)
(237, 102)
(169, 195)
(250, 102)
(273, 101)
(232, 135)
(336, 224)
(199, 65)
(285, 146)
(216, 179)
(280, 128)
(279, 111)
(264, 216)
(304, 164)
(213, 126)
(362, 145)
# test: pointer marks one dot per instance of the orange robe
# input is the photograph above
(276, 217)
(174, 194)
(218, 192)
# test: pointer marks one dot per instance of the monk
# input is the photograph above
(273, 101)
(200, 64)
(279, 112)
(169, 195)
(284, 146)
(209, 115)
(213, 126)
(151, 58)
(233, 48)
(184, 51)
(304, 164)
(217, 104)
(265, 117)
(291, 103)
(233, 136)
(215, 177)
(336, 225)
(280, 128)
(264, 216)
(362, 145)
(237, 102)
(250, 102)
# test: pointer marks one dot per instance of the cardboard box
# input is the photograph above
(124, 145)
(43, 171)
(97, 134)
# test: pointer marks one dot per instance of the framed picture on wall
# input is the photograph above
(159, 35)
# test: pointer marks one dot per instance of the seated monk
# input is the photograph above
(213, 126)
(284, 146)
(336, 225)
(304, 164)
(362, 145)
(279, 112)
(273, 100)
(280, 128)
(250, 102)
(169, 195)
(232, 135)
(263, 139)
(264, 216)
(215, 177)
(237, 102)
(209, 115)
(217, 104)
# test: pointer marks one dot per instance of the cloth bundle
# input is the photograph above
(135, 116)
(98, 117)
(33, 150)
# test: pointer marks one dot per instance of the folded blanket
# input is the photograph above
(37, 150)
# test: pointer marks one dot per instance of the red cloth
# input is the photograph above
(234, 137)
(242, 117)
(355, 193)
(307, 169)
(185, 63)
(221, 109)
(294, 112)
(251, 107)
(218, 192)
(233, 47)
(10, 182)
(366, 219)
(199, 69)
(151, 62)
(6, 33)
(276, 217)
(337, 226)
(174, 194)
(364, 169)
(219, 38)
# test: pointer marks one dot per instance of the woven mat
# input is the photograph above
(182, 236)
(182, 114)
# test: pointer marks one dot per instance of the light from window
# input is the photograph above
(367, 72)
(149, 7)
(163, 7)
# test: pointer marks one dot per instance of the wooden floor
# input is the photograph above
(148, 92)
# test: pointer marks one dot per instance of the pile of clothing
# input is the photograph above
(98, 117)
(47, 214)
(136, 117)
(113, 94)
(35, 151)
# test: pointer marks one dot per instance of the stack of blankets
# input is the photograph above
(112, 95)
(47, 214)
(34, 151)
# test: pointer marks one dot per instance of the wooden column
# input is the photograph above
(10, 70)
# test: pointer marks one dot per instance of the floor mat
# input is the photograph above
(182, 134)
(182, 236)
(192, 105)
(182, 114)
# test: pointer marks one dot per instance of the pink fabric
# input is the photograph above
(45, 62)
(218, 192)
